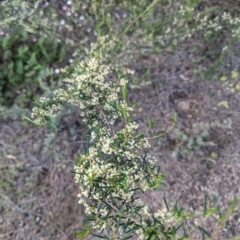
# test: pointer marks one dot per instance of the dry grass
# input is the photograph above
(38, 193)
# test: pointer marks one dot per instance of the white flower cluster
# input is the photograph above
(94, 172)
(181, 30)
(89, 91)
(166, 215)
(112, 169)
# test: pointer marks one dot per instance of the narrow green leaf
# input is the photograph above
(205, 205)
(209, 212)
(204, 232)
(127, 237)
(100, 236)
(232, 206)
(19, 67)
(166, 203)
(124, 92)
(90, 218)
(5, 43)
(84, 232)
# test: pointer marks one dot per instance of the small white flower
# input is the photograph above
(57, 70)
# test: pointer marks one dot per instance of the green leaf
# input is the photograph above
(151, 122)
(204, 232)
(205, 205)
(175, 117)
(7, 55)
(5, 43)
(84, 232)
(223, 79)
(132, 230)
(234, 74)
(19, 67)
(233, 205)
(231, 209)
(127, 237)
(100, 236)
(166, 203)
(209, 212)
(124, 92)
(33, 59)
(30, 74)
(62, 54)
(223, 104)
(22, 51)
(10, 67)
(90, 218)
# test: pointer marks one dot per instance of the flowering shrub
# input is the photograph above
(111, 171)
(117, 167)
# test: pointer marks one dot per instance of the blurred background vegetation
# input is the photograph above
(182, 64)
